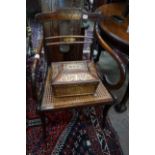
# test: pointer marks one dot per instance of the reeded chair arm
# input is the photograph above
(34, 66)
(116, 57)
(36, 61)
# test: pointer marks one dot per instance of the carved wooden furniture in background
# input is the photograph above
(114, 27)
(113, 36)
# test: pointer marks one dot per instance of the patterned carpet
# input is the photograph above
(69, 132)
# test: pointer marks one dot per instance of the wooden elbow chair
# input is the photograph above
(66, 46)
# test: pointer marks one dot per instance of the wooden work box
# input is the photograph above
(72, 78)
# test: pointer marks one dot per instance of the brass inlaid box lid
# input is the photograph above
(74, 78)
(74, 72)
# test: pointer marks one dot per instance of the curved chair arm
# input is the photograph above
(36, 60)
(33, 74)
(116, 57)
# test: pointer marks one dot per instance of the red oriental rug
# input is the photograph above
(71, 132)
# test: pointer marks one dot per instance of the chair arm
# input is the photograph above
(116, 57)
(33, 74)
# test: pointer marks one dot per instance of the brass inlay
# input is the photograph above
(69, 40)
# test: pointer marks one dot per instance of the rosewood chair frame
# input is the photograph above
(73, 39)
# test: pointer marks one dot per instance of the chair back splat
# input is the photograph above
(63, 34)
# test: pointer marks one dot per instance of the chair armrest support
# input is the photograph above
(116, 57)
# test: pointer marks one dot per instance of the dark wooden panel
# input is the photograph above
(55, 28)
(32, 7)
